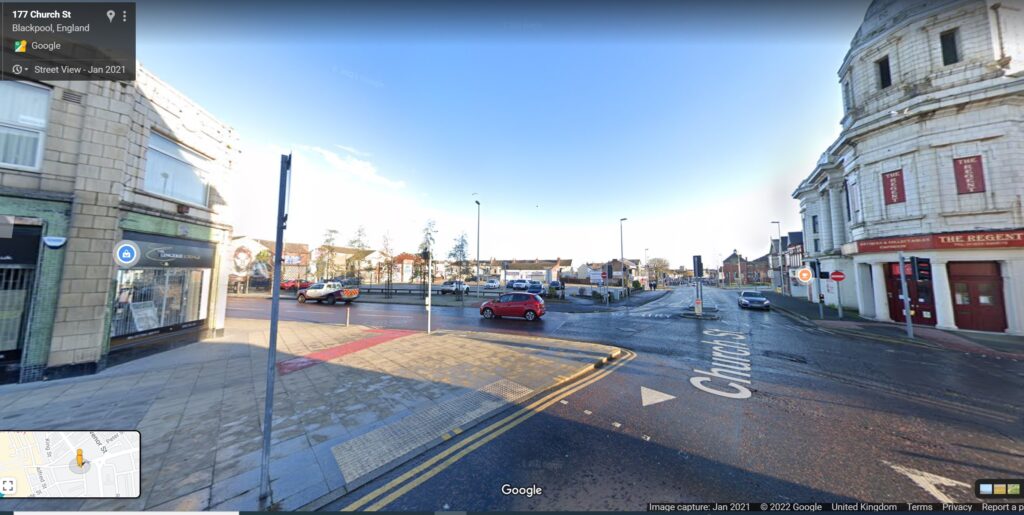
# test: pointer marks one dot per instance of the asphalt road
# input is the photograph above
(828, 418)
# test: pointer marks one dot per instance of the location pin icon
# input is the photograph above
(110, 15)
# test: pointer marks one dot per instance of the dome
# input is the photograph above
(882, 15)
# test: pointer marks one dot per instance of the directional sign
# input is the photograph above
(837, 276)
(126, 253)
(804, 274)
(649, 396)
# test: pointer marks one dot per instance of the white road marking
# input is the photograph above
(616, 425)
(563, 401)
(928, 481)
(588, 412)
(646, 438)
(649, 396)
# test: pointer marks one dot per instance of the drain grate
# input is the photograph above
(364, 454)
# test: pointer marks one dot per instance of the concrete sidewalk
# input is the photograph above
(350, 403)
(988, 344)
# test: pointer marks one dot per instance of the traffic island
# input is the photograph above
(350, 404)
(708, 312)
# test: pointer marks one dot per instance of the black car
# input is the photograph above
(753, 299)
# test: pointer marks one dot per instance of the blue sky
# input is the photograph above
(697, 132)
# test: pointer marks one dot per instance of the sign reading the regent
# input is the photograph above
(964, 240)
(892, 184)
(970, 176)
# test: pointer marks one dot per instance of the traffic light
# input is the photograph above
(698, 267)
(820, 274)
(922, 268)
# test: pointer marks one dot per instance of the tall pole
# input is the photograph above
(268, 407)
(781, 281)
(821, 295)
(430, 281)
(477, 248)
(906, 296)
(622, 255)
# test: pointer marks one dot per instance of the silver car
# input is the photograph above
(753, 299)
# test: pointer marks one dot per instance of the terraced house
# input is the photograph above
(929, 163)
(84, 165)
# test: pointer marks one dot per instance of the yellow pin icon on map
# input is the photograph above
(79, 459)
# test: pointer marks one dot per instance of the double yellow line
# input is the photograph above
(417, 475)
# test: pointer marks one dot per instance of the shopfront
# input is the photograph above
(165, 296)
(975, 284)
(18, 256)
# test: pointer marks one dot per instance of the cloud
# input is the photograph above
(354, 151)
(350, 164)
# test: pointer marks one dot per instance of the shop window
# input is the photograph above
(175, 172)
(23, 110)
(961, 294)
(950, 52)
(149, 299)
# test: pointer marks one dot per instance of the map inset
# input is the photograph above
(69, 463)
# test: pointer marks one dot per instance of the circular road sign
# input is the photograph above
(604, 275)
(837, 276)
(804, 274)
(126, 253)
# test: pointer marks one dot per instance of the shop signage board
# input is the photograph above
(966, 240)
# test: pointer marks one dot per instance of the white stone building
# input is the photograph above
(929, 163)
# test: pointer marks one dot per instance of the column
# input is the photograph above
(944, 317)
(1013, 294)
(825, 210)
(862, 286)
(835, 201)
(878, 291)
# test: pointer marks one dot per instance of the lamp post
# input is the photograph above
(622, 255)
(647, 267)
(477, 248)
(781, 280)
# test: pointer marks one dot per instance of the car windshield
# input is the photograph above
(316, 286)
(752, 294)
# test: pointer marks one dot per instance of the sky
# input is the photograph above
(694, 122)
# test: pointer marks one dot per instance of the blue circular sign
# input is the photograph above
(126, 253)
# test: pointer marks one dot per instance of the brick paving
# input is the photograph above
(199, 407)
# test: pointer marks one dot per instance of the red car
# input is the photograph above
(295, 284)
(526, 305)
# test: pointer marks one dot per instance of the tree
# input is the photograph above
(427, 243)
(658, 267)
(325, 266)
(359, 240)
(459, 256)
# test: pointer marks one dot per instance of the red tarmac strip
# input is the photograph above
(321, 356)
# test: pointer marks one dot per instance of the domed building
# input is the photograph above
(930, 164)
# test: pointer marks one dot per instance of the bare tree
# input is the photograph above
(658, 266)
(325, 266)
(359, 240)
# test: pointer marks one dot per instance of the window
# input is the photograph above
(855, 201)
(23, 110)
(846, 193)
(817, 245)
(847, 96)
(175, 172)
(814, 224)
(950, 54)
(884, 75)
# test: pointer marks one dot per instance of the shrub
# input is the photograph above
(637, 285)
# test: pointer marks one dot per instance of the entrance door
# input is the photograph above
(977, 289)
(922, 301)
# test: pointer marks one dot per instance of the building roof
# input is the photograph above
(405, 256)
(796, 238)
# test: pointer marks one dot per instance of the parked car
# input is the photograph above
(492, 284)
(556, 285)
(525, 305)
(329, 292)
(537, 288)
(454, 286)
(753, 299)
(519, 284)
(295, 284)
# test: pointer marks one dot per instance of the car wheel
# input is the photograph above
(530, 315)
(488, 313)
(302, 299)
(331, 300)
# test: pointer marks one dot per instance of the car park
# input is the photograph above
(454, 287)
(525, 305)
(753, 299)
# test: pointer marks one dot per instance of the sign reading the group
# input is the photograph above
(68, 41)
(970, 176)
(892, 185)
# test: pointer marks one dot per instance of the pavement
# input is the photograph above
(350, 403)
(830, 417)
(1000, 345)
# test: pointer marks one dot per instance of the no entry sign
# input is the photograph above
(837, 276)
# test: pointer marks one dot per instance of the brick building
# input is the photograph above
(928, 164)
(84, 165)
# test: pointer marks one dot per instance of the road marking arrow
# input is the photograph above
(928, 481)
(649, 396)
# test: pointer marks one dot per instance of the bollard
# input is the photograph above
(348, 313)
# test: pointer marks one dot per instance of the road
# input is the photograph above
(828, 418)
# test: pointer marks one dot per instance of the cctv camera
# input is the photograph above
(54, 242)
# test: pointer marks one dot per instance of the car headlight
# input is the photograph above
(744, 301)
(767, 302)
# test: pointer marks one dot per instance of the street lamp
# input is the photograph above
(781, 282)
(477, 248)
(622, 255)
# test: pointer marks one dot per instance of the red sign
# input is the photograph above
(604, 275)
(970, 176)
(966, 240)
(837, 276)
(892, 185)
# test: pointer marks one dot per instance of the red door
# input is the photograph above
(977, 289)
(922, 302)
